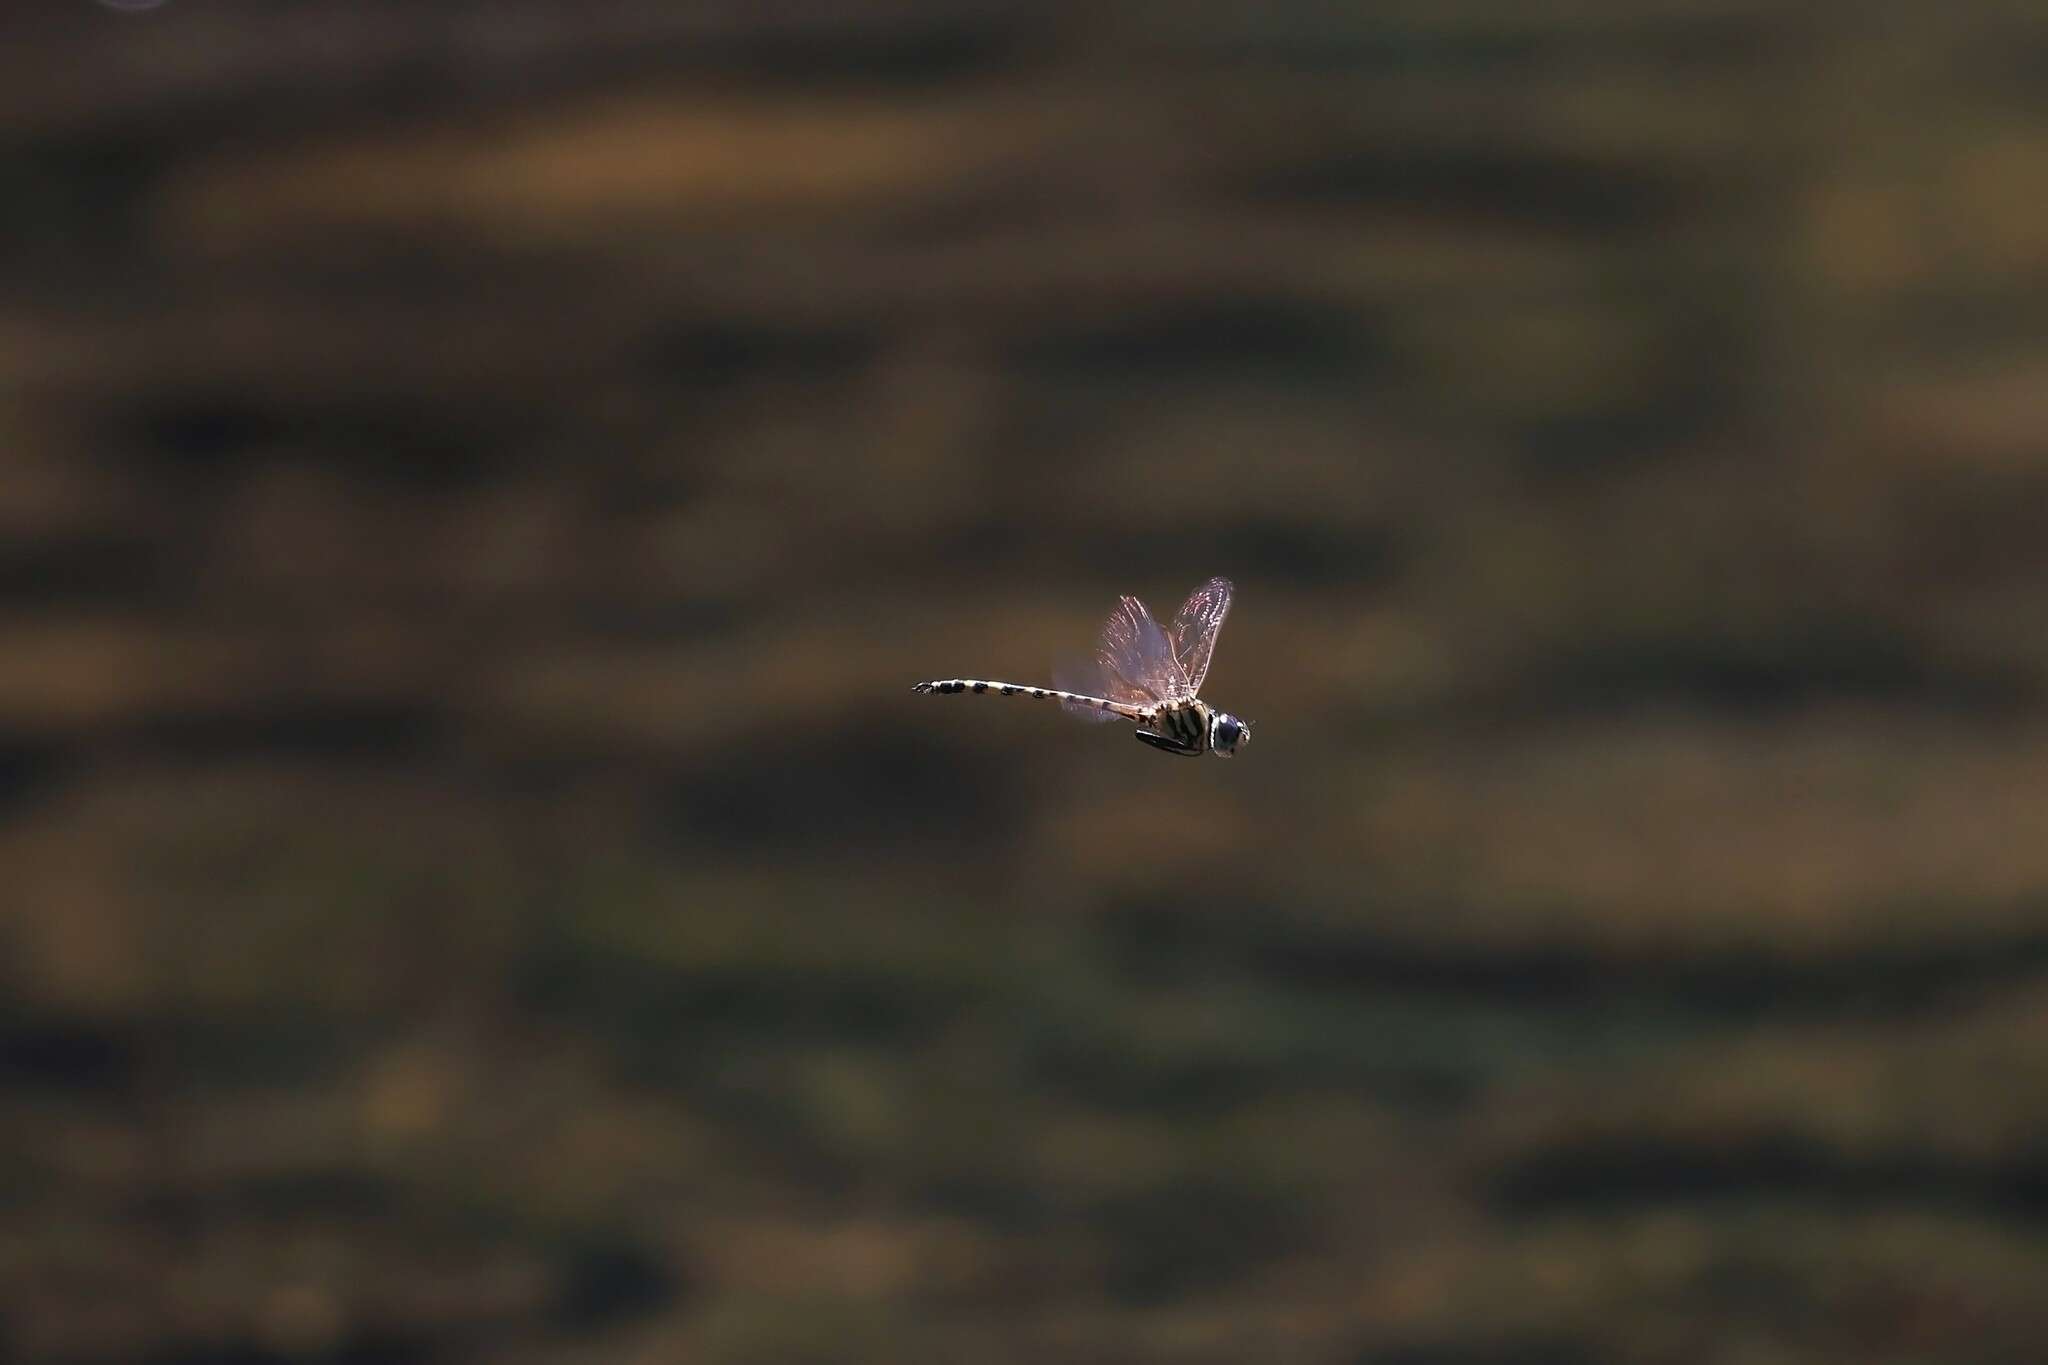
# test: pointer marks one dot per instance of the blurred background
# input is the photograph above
(477, 481)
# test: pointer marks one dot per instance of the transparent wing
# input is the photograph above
(1194, 630)
(1138, 661)
(1083, 676)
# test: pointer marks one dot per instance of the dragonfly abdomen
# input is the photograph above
(1005, 689)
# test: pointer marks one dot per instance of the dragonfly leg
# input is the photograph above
(1166, 745)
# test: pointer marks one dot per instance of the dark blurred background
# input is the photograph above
(478, 479)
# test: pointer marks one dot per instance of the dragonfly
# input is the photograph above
(1145, 674)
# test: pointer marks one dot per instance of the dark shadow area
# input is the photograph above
(340, 1194)
(79, 1055)
(610, 1281)
(1628, 1171)
(1243, 340)
(83, 573)
(671, 1020)
(1193, 1233)
(29, 767)
(336, 730)
(1534, 191)
(1822, 662)
(405, 442)
(1351, 558)
(705, 356)
(1534, 1350)
(250, 1047)
(940, 53)
(374, 1348)
(1874, 980)
(850, 790)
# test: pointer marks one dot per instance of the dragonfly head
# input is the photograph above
(1227, 734)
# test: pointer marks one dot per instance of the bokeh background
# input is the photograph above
(477, 480)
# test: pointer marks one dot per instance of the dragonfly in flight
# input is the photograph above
(1144, 674)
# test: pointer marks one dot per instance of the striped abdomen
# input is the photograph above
(1074, 699)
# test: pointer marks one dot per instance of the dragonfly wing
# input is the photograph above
(1138, 660)
(1083, 676)
(1194, 630)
